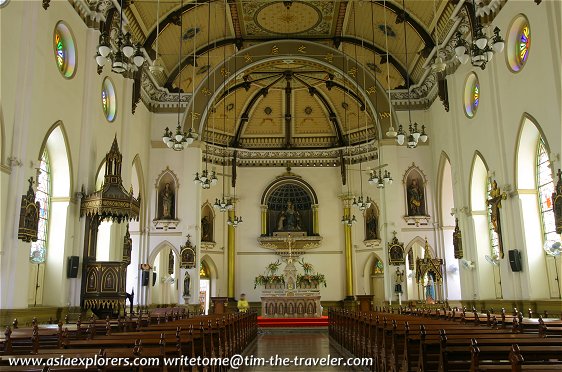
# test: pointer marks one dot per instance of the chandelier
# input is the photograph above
(181, 138)
(380, 179)
(349, 221)
(207, 179)
(119, 58)
(234, 222)
(414, 134)
(223, 204)
(481, 49)
(361, 203)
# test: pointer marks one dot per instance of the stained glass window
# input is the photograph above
(65, 53)
(494, 241)
(43, 196)
(108, 100)
(471, 95)
(524, 44)
(545, 187)
(518, 43)
(378, 267)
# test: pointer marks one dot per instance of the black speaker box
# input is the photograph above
(153, 279)
(145, 278)
(515, 260)
(72, 267)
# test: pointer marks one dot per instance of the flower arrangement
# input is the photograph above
(311, 280)
(268, 279)
(273, 267)
(306, 267)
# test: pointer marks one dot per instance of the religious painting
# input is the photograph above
(396, 252)
(187, 254)
(166, 189)
(372, 223)
(414, 183)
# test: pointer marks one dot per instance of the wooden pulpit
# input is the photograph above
(364, 302)
(219, 304)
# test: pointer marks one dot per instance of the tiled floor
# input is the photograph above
(276, 345)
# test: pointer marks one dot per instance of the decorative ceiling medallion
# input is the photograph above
(308, 110)
(268, 110)
(230, 106)
(277, 19)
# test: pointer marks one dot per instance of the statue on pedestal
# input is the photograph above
(289, 219)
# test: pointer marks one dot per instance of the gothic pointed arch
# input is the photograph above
(167, 185)
(57, 145)
(207, 223)
(372, 218)
(415, 196)
(535, 182)
(488, 269)
(137, 182)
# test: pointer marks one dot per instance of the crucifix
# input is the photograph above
(290, 240)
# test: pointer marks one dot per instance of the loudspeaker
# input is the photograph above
(145, 278)
(153, 279)
(515, 260)
(72, 267)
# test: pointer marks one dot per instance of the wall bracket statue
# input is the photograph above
(495, 204)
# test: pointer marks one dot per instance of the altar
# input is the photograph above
(291, 306)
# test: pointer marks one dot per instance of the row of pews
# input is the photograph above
(164, 333)
(449, 340)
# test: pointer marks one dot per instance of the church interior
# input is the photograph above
(321, 157)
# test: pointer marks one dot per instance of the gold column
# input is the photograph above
(315, 224)
(263, 220)
(231, 254)
(348, 244)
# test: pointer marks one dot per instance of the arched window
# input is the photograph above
(545, 188)
(43, 196)
(494, 241)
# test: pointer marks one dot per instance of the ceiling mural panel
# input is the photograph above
(360, 23)
(197, 32)
(266, 117)
(310, 117)
(287, 18)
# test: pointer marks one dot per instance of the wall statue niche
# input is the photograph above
(372, 223)
(166, 197)
(289, 206)
(414, 186)
(207, 223)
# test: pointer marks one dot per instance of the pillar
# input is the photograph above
(231, 253)
(315, 223)
(263, 220)
(347, 249)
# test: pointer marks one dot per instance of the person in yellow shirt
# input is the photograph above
(243, 305)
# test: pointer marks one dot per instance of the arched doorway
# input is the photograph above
(165, 272)
(204, 287)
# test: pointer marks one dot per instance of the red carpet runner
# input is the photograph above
(293, 322)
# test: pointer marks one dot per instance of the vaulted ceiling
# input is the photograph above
(293, 101)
